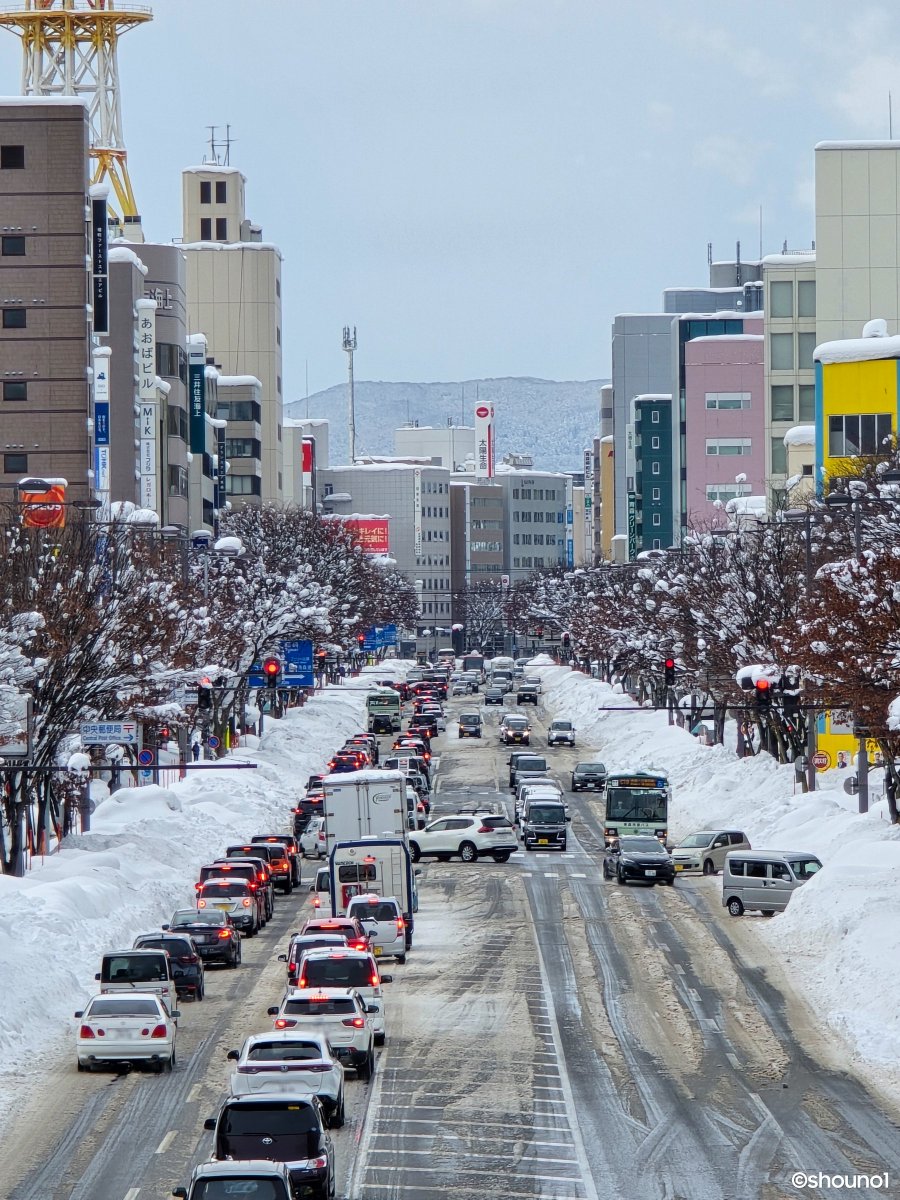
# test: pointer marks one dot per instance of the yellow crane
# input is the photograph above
(70, 49)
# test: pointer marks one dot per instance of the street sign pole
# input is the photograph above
(811, 744)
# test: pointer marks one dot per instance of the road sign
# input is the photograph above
(821, 760)
(146, 757)
(851, 785)
(213, 742)
(103, 733)
(297, 656)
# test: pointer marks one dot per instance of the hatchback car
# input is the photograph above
(213, 934)
(638, 858)
(494, 695)
(589, 775)
(232, 896)
(346, 968)
(469, 724)
(384, 916)
(253, 871)
(285, 1061)
(313, 842)
(251, 1179)
(705, 851)
(184, 955)
(466, 835)
(125, 1028)
(341, 1013)
(561, 733)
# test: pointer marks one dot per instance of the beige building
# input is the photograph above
(800, 450)
(789, 326)
(300, 486)
(234, 298)
(44, 292)
(605, 517)
(857, 239)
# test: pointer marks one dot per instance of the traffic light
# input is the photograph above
(360, 640)
(566, 640)
(204, 697)
(272, 670)
(669, 672)
(763, 690)
(163, 735)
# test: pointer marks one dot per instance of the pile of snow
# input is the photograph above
(841, 931)
(137, 865)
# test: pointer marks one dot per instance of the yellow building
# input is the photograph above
(856, 400)
(607, 514)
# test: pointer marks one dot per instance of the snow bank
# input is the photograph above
(841, 932)
(136, 866)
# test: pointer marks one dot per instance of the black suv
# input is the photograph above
(589, 775)
(470, 725)
(285, 1128)
(184, 955)
(527, 694)
(213, 934)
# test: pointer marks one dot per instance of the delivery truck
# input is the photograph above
(362, 804)
(378, 865)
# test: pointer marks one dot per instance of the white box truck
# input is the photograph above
(361, 804)
(379, 865)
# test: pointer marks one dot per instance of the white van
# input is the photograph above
(764, 879)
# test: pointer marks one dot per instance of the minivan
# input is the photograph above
(138, 970)
(705, 851)
(544, 824)
(763, 880)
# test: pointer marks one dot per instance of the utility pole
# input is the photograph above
(349, 347)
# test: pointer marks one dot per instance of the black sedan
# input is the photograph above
(641, 857)
(589, 775)
(494, 695)
(212, 932)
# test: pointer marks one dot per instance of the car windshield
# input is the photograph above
(367, 911)
(546, 814)
(640, 845)
(561, 725)
(238, 1189)
(277, 1119)
(113, 1006)
(337, 972)
(320, 1006)
(226, 887)
(805, 868)
(696, 839)
(284, 1051)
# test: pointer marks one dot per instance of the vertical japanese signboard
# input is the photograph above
(101, 357)
(308, 474)
(221, 472)
(484, 441)
(417, 511)
(197, 386)
(148, 405)
(99, 260)
(632, 526)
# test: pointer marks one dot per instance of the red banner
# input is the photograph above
(372, 533)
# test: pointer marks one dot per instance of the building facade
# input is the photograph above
(239, 404)
(451, 446)
(535, 519)
(477, 532)
(45, 351)
(649, 474)
(234, 297)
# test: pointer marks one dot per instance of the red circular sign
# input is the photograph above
(821, 760)
(482, 411)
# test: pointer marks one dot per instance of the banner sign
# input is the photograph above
(632, 526)
(146, 353)
(197, 386)
(372, 533)
(149, 456)
(221, 471)
(99, 264)
(417, 511)
(484, 441)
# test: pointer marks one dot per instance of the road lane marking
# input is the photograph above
(481, 1137)
(166, 1142)
(578, 875)
(467, 1124)
(480, 1172)
(418, 1188)
(132, 1193)
(551, 875)
(194, 1094)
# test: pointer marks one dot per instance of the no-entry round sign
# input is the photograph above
(482, 411)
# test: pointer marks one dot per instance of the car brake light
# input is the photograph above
(401, 924)
(359, 944)
(224, 933)
(201, 904)
(197, 887)
(353, 1022)
(374, 981)
(246, 902)
(159, 1032)
(85, 1032)
(484, 829)
(317, 903)
(188, 958)
(252, 886)
(282, 1023)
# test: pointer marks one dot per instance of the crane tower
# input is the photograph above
(69, 49)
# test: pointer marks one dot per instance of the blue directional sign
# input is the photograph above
(371, 642)
(297, 657)
(389, 635)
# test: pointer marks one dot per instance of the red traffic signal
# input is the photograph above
(272, 668)
(361, 639)
(763, 692)
(670, 663)
(164, 732)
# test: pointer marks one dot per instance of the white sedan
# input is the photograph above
(287, 1061)
(126, 1028)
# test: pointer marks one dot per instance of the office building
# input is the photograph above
(649, 475)
(800, 451)
(240, 405)
(451, 446)
(534, 517)
(477, 538)
(45, 351)
(234, 297)
(606, 549)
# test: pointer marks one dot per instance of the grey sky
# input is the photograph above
(480, 185)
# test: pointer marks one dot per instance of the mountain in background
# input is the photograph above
(555, 421)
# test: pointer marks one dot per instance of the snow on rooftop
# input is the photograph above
(119, 253)
(230, 246)
(654, 395)
(727, 337)
(746, 506)
(23, 101)
(340, 497)
(858, 145)
(213, 169)
(801, 435)
(239, 381)
(799, 259)
(874, 344)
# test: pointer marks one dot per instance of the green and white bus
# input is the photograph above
(637, 804)
(383, 711)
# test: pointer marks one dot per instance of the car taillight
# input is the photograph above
(159, 1032)
(280, 864)
(374, 981)
(401, 924)
(201, 904)
(359, 944)
(224, 933)
(85, 1032)
(197, 887)
(353, 1022)
(188, 958)
(246, 902)
(317, 903)
(283, 1023)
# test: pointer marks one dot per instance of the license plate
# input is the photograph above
(649, 872)
(679, 867)
(223, 907)
(377, 950)
(543, 841)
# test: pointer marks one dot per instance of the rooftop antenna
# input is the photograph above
(890, 117)
(760, 233)
(349, 347)
(216, 147)
(738, 273)
(709, 254)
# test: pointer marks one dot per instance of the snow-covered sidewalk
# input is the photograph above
(138, 864)
(840, 934)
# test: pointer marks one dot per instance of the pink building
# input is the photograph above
(724, 445)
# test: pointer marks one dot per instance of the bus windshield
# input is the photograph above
(636, 804)
(383, 701)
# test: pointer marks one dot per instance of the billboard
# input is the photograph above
(372, 533)
(308, 474)
(484, 441)
(44, 510)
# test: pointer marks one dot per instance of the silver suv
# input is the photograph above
(561, 733)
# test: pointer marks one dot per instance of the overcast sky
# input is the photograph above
(480, 185)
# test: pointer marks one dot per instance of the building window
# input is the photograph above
(781, 351)
(515, 493)
(806, 344)
(654, 416)
(728, 400)
(280, 481)
(12, 158)
(278, 384)
(725, 446)
(655, 494)
(279, 432)
(206, 229)
(657, 521)
(240, 410)
(782, 398)
(779, 456)
(657, 544)
(727, 491)
(221, 191)
(781, 299)
(807, 401)
(654, 443)
(806, 469)
(13, 247)
(15, 463)
(865, 434)
(654, 468)
(176, 422)
(221, 229)
(243, 485)
(178, 481)
(14, 318)
(278, 335)
(15, 391)
(277, 287)
(806, 298)
(205, 191)
(242, 448)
